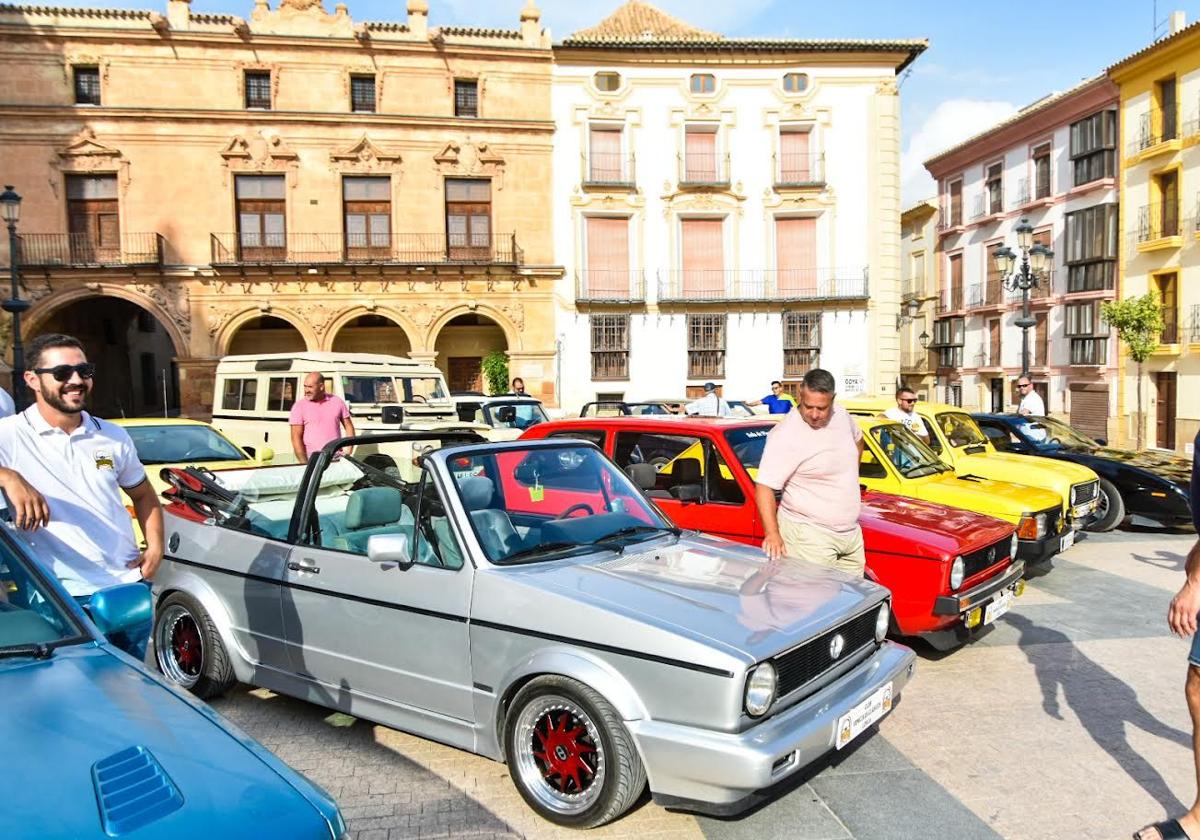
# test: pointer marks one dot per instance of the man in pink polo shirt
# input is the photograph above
(813, 456)
(317, 419)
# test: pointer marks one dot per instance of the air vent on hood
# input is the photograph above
(133, 790)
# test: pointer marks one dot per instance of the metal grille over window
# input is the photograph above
(362, 93)
(87, 85)
(466, 98)
(258, 89)
(706, 346)
(610, 346)
(801, 342)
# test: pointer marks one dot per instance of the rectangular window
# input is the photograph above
(150, 384)
(605, 161)
(700, 163)
(955, 203)
(469, 218)
(367, 211)
(1094, 147)
(362, 93)
(1041, 171)
(1168, 206)
(262, 217)
(703, 83)
(239, 395)
(992, 188)
(796, 258)
(1041, 340)
(953, 295)
(702, 258)
(258, 89)
(1164, 94)
(993, 354)
(93, 219)
(87, 85)
(466, 97)
(281, 393)
(948, 336)
(795, 159)
(801, 342)
(1091, 248)
(1167, 288)
(706, 346)
(607, 258)
(610, 346)
(993, 289)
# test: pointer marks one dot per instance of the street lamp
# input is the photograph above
(908, 313)
(10, 204)
(1034, 267)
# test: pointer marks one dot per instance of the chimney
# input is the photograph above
(418, 18)
(1178, 22)
(179, 14)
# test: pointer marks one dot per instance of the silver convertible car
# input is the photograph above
(524, 601)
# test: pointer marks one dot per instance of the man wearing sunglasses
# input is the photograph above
(1031, 404)
(79, 464)
(904, 412)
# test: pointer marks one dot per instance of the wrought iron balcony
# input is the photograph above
(703, 169)
(799, 170)
(610, 286)
(914, 360)
(1194, 331)
(1170, 330)
(762, 284)
(337, 248)
(1157, 221)
(81, 250)
(607, 169)
(950, 300)
(1153, 127)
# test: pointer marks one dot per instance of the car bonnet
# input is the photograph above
(926, 529)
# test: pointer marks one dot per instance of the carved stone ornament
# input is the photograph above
(85, 154)
(478, 159)
(219, 314)
(515, 312)
(366, 156)
(301, 17)
(258, 152)
(174, 300)
(319, 316)
(887, 88)
(422, 315)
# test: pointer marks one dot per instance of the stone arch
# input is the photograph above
(512, 334)
(227, 333)
(48, 307)
(347, 317)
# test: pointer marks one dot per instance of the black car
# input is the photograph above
(1149, 486)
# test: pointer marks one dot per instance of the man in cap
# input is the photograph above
(712, 404)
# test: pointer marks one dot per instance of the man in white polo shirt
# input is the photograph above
(79, 464)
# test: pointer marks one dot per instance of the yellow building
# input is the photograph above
(196, 185)
(1160, 217)
(918, 295)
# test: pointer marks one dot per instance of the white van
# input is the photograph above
(254, 395)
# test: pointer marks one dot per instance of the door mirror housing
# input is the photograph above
(687, 493)
(1102, 441)
(266, 455)
(390, 548)
(122, 607)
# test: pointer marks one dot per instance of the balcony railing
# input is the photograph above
(950, 300)
(609, 169)
(1157, 221)
(799, 170)
(81, 250)
(1194, 331)
(1024, 193)
(1153, 127)
(703, 169)
(914, 360)
(1042, 291)
(1170, 330)
(335, 248)
(610, 285)
(763, 284)
(985, 294)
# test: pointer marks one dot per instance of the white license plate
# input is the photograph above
(854, 722)
(1001, 604)
(1068, 540)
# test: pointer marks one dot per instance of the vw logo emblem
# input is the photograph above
(991, 554)
(836, 645)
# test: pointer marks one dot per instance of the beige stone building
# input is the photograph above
(196, 185)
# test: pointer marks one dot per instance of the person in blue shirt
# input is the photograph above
(778, 401)
(1182, 619)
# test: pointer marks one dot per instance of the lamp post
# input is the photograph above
(10, 204)
(1033, 268)
(923, 340)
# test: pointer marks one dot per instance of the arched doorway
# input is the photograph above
(372, 334)
(134, 356)
(461, 346)
(267, 334)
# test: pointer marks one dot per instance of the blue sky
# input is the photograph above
(985, 60)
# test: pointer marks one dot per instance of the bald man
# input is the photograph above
(318, 418)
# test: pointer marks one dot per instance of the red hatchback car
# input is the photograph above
(950, 571)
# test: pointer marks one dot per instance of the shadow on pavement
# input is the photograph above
(1104, 704)
(1168, 560)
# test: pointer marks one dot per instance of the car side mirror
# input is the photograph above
(390, 548)
(122, 607)
(688, 493)
(1102, 441)
(266, 455)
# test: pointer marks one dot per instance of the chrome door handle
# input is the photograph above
(306, 566)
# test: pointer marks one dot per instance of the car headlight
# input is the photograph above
(881, 621)
(760, 689)
(1040, 521)
(956, 572)
(1012, 549)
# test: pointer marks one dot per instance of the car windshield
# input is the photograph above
(369, 389)
(530, 505)
(747, 444)
(422, 387)
(911, 457)
(515, 415)
(1045, 433)
(960, 429)
(32, 617)
(174, 444)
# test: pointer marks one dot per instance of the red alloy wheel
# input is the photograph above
(564, 752)
(186, 645)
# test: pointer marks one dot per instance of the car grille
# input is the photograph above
(983, 558)
(1053, 521)
(1082, 493)
(802, 664)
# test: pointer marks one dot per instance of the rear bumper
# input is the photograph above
(726, 772)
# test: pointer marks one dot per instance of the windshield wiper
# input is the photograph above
(526, 554)
(631, 530)
(36, 651)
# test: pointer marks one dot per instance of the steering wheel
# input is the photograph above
(420, 398)
(194, 452)
(1056, 440)
(566, 514)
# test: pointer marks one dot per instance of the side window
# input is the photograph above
(722, 483)
(281, 393)
(239, 394)
(934, 442)
(435, 541)
(676, 459)
(869, 466)
(997, 435)
(590, 435)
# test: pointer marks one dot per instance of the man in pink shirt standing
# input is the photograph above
(317, 419)
(813, 457)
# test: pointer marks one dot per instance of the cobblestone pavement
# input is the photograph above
(1065, 721)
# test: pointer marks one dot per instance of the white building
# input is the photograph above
(725, 209)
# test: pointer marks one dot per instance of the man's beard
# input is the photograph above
(55, 400)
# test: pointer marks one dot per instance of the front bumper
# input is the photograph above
(1034, 552)
(727, 772)
(964, 602)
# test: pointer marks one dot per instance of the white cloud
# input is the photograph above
(950, 123)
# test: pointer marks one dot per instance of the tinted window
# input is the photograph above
(172, 444)
(592, 435)
(30, 614)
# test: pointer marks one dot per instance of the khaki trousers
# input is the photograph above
(837, 550)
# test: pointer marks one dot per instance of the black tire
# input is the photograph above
(560, 702)
(1110, 508)
(180, 624)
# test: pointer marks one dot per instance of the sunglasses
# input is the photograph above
(1026, 385)
(903, 400)
(62, 373)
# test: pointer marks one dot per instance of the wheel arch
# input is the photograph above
(198, 590)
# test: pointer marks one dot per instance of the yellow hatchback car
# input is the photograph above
(896, 461)
(956, 439)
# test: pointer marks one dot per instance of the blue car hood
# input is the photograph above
(60, 716)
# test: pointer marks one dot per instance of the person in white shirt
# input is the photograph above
(712, 404)
(1031, 401)
(77, 465)
(7, 406)
(902, 412)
